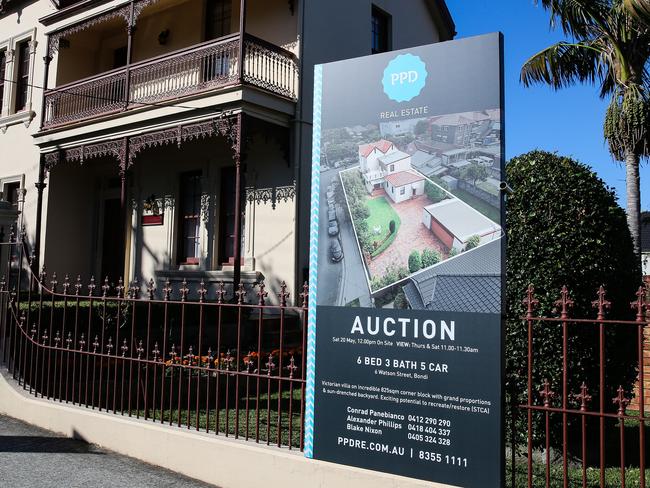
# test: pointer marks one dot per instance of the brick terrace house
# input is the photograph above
(172, 138)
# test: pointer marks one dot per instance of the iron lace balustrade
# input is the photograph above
(187, 355)
(202, 68)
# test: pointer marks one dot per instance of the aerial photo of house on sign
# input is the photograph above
(405, 343)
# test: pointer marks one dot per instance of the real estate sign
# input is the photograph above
(405, 338)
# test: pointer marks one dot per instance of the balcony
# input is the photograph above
(210, 66)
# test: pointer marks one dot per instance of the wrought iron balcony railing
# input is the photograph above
(205, 67)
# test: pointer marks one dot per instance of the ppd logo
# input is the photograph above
(404, 77)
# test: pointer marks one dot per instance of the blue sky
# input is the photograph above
(568, 121)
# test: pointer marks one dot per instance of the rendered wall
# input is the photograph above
(18, 154)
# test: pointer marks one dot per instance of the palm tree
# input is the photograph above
(610, 48)
(640, 9)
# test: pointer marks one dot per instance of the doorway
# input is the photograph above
(112, 260)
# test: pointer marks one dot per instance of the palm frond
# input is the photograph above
(640, 9)
(564, 64)
(577, 18)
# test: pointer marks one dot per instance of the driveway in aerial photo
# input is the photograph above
(411, 236)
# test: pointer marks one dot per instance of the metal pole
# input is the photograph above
(40, 186)
(238, 185)
(242, 32)
(129, 55)
(47, 59)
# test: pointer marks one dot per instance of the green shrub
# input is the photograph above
(430, 257)
(392, 275)
(384, 245)
(400, 302)
(434, 193)
(472, 242)
(415, 262)
(565, 227)
(453, 252)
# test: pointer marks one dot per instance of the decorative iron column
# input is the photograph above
(238, 200)
(124, 165)
(47, 59)
(130, 30)
(40, 187)
(242, 32)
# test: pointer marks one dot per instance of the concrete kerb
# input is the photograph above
(226, 463)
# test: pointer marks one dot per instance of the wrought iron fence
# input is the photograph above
(217, 364)
(593, 429)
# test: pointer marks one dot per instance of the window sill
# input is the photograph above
(24, 117)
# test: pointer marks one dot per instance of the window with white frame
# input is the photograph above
(12, 188)
(17, 58)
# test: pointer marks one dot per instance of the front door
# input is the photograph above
(112, 241)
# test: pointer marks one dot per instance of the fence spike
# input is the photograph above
(106, 287)
(77, 285)
(565, 302)
(305, 295)
(66, 284)
(640, 304)
(120, 288)
(262, 294)
(601, 304)
(221, 292)
(270, 365)
(583, 397)
(202, 292)
(530, 302)
(167, 290)
(184, 290)
(241, 294)
(151, 289)
(621, 401)
(547, 394)
(134, 289)
(284, 294)
(91, 286)
(82, 342)
(292, 367)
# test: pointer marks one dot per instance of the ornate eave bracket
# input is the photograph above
(116, 148)
(125, 150)
(273, 195)
(123, 11)
(228, 126)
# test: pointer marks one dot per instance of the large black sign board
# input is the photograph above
(418, 407)
(405, 343)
